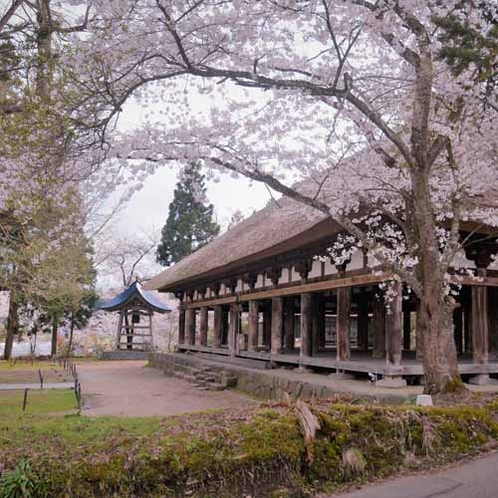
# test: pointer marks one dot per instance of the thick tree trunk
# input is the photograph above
(12, 328)
(435, 320)
(55, 328)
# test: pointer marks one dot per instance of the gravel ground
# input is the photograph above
(129, 389)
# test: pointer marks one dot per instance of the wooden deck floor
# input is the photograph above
(359, 363)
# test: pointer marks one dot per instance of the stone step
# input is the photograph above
(215, 386)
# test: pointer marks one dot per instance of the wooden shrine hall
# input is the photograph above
(271, 295)
(136, 308)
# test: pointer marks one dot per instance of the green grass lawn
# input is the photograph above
(39, 402)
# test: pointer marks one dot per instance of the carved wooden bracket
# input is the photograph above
(250, 279)
(202, 292)
(216, 288)
(303, 267)
(274, 275)
(190, 293)
(481, 253)
(179, 295)
(231, 283)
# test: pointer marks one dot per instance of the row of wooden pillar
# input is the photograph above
(391, 329)
(278, 326)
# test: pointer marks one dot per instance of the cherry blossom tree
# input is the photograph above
(351, 95)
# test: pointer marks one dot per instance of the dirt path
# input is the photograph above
(128, 388)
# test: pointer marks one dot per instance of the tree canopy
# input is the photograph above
(190, 223)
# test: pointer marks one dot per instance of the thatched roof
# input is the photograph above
(273, 230)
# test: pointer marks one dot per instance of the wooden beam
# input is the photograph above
(277, 324)
(252, 339)
(393, 327)
(335, 283)
(481, 281)
(343, 323)
(480, 328)
(212, 302)
(203, 326)
(306, 325)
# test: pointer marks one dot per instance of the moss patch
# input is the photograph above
(238, 453)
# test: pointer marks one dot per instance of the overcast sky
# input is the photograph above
(148, 208)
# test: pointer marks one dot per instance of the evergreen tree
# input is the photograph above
(190, 223)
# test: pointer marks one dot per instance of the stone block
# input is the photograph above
(482, 380)
(393, 382)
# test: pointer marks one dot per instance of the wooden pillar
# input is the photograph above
(118, 332)
(458, 325)
(419, 339)
(467, 329)
(190, 332)
(233, 328)
(480, 329)
(289, 323)
(203, 326)
(267, 326)
(407, 329)
(224, 325)
(318, 324)
(181, 325)
(217, 325)
(306, 324)
(343, 323)
(378, 322)
(252, 340)
(363, 320)
(393, 327)
(277, 324)
(493, 322)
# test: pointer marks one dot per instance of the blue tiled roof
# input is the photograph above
(133, 291)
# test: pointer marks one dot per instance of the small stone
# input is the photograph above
(424, 400)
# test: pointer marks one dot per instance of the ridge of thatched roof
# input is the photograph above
(260, 235)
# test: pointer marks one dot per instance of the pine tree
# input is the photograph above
(190, 223)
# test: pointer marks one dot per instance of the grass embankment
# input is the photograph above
(229, 454)
(25, 372)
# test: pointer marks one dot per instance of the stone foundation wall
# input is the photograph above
(125, 355)
(260, 383)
